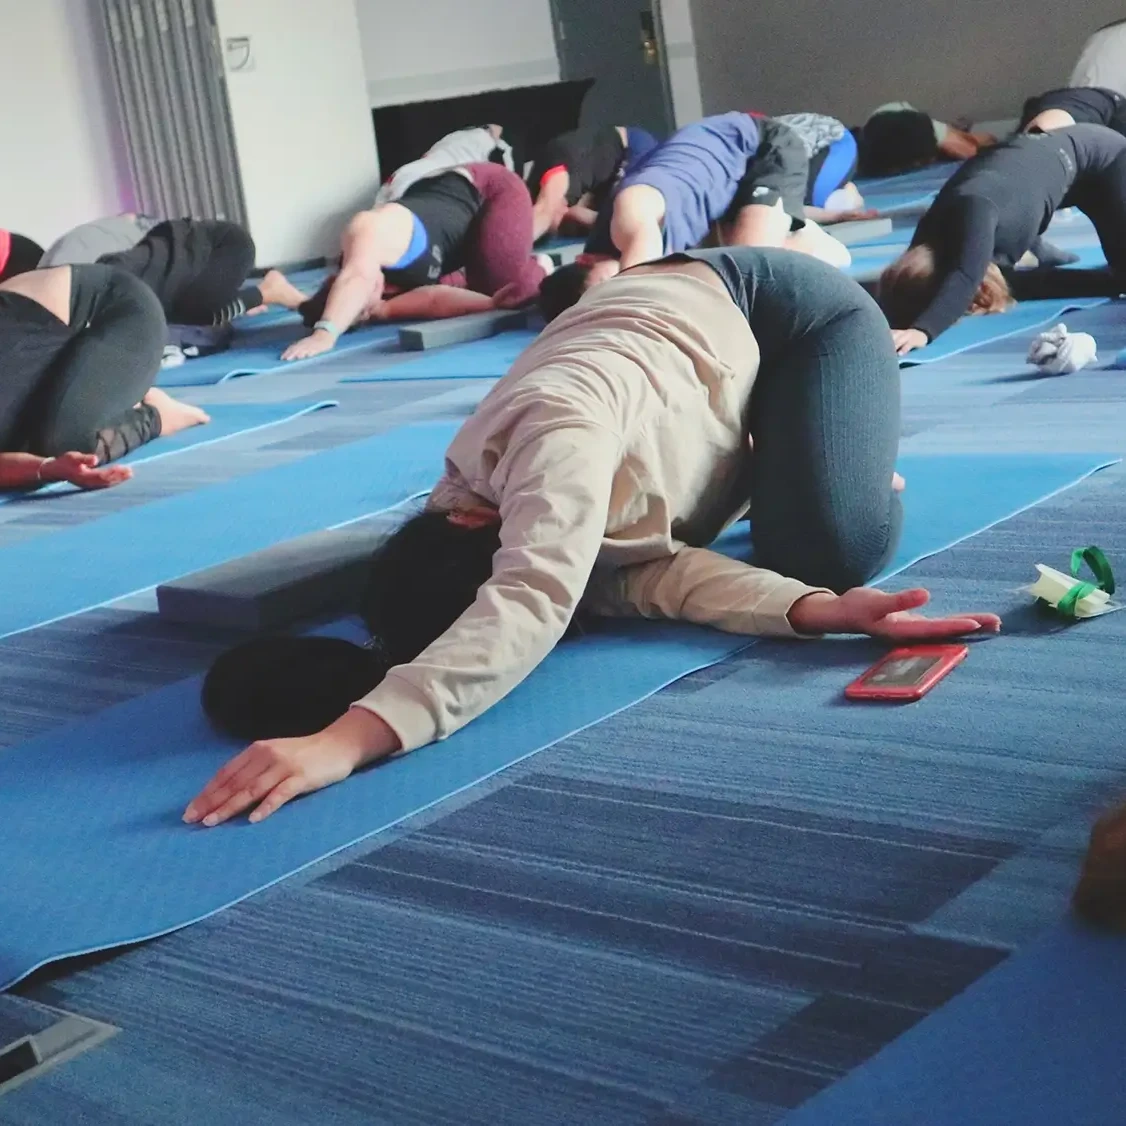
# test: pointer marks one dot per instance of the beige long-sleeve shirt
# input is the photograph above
(614, 450)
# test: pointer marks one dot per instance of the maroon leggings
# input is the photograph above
(498, 249)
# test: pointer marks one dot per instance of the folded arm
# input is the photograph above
(433, 302)
(958, 144)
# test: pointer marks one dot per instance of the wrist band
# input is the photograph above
(329, 327)
(39, 469)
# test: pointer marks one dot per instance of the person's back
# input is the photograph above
(91, 241)
(698, 170)
(1022, 180)
(478, 144)
(627, 374)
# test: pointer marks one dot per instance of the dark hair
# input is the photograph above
(313, 309)
(422, 579)
(897, 140)
(277, 687)
(24, 255)
(562, 289)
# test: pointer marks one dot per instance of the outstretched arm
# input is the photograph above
(556, 493)
(359, 283)
(701, 586)
(970, 240)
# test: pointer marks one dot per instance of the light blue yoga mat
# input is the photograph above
(261, 351)
(227, 421)
(96, 854)
(1038, 1041)
(971, 332)
(481, 359)
(73, 569)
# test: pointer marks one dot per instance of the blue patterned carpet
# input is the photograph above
(702, 911)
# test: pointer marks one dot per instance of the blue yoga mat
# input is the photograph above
(971, 332)
(74, 569)
(260, 351)
(1038, 1041)
(888, 203)
(84, 875)
(227, 421)
(481, 359)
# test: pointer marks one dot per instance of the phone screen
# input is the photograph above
(902, 673)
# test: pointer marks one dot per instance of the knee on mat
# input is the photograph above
(134, 312)
(839, 562)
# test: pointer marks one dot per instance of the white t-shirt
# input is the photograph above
(466, 146)
(1103, 60)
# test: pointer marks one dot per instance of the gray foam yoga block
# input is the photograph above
(320, 573)
(859, 230)
(460, 330)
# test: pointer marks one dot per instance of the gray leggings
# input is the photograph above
(824, 417)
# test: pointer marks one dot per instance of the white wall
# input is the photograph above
(955, 58)
(302, 123)
(680, 56)
(415, 50)
(60, 140)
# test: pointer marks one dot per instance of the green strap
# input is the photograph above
(1067, 605)
(1099, 566)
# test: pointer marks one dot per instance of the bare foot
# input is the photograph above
(277, 289)
(174, 415)
(897, 483)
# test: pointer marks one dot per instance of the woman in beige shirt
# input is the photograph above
(591, 479)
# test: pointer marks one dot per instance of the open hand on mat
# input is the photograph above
(320, 341)
(82, 470)
(880, 613)
(274, 771)
(907, 340)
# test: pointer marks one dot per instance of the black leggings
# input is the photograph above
(824, 418)
(87, 400)
(1099, 190)
(197, 267)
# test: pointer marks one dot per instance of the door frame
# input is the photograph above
(662, 47)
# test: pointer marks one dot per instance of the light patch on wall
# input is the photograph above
(447, 48)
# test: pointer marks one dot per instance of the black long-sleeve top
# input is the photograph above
(991, 210)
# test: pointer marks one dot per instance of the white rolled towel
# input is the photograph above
(1060, 352)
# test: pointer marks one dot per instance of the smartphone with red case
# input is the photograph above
(908, 674)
